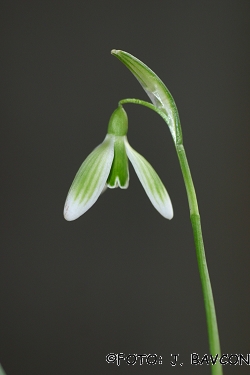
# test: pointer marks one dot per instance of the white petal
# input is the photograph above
(90, 180)
(151, 183)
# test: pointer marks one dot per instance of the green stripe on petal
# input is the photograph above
(151, 183)
(90, 180)
(119, 174)
(156, 90)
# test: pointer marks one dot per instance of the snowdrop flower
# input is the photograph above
(107, 166)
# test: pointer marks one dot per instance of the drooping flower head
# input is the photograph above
(107, 166)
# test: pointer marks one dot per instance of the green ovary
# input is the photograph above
(119, 174)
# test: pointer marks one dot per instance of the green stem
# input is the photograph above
(213, 334)
(146, 104)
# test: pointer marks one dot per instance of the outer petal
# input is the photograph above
(151, 183)
(90, 180)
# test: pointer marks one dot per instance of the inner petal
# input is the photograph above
(119, 173)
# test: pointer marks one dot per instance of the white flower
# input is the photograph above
(107, 166)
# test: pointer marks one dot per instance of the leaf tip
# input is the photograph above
(115, 51)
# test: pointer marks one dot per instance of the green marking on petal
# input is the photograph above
(151, 182)
(88, 176)
(90, 180)
(119, 174)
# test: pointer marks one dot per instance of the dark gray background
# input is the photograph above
(121, 278)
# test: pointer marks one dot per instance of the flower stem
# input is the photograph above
(213, 334)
